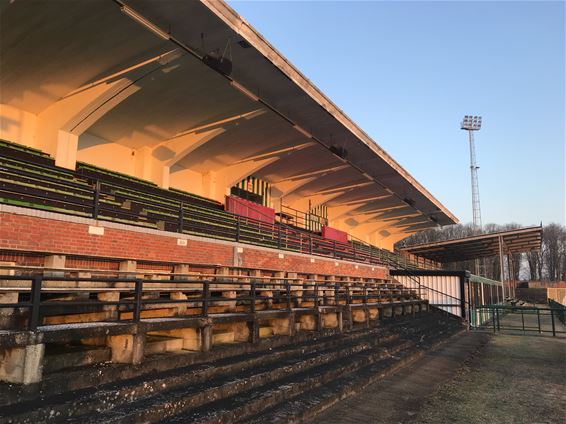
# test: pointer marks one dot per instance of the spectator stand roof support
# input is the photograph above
(146, 99)
(481, 246)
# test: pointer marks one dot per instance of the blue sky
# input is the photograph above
(407, 72)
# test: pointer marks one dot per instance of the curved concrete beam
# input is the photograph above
(60, 125)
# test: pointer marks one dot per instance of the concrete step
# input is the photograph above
(68, 356)
(160, 344)
(307, 405)
(260, 399)
(174, 401)
(156, 393)
(124, 390)
(99, 376)
(387, 356)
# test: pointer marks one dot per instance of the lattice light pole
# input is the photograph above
(471, 124)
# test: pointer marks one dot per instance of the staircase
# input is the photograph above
(284, 383)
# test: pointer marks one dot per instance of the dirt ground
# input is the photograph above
(474, 378)
(514, 379)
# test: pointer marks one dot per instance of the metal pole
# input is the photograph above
(498, 324)
(238, 229)
(206, 296)
(510, 276)
(502, 269)
(35, 302)
(310, 244)
(96, 200)
(252, 305)
(138, 300)
(181, 217)
(288, 292)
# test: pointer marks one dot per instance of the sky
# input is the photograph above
(408, 71)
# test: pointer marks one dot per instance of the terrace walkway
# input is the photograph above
(478, 378)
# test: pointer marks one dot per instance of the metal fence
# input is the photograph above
(522, 319)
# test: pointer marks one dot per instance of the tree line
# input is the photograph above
(547, 264)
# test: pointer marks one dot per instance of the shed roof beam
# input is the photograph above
(365, 200)
(399, 213)
(278, 152)
(281, 189)
(343, 188)
(60, 125)
(312, 173)
(160, 60)
(303, 202)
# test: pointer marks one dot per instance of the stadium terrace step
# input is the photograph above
(307, 405)
(241, 386)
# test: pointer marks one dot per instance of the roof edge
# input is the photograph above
(239, 25)
(471, 238)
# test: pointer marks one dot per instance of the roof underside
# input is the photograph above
(485, 245)
(172, 94)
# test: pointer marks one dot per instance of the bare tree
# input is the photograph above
(554, 244)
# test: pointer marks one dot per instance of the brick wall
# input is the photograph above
(63, 235)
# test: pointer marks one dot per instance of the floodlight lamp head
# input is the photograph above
(471, 123)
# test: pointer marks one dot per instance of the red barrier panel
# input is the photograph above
(334, 234)
(250, 209)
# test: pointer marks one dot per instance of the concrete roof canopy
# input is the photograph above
(127, 80)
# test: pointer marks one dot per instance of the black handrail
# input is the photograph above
(345, 293)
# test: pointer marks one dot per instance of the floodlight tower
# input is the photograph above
(471, 124)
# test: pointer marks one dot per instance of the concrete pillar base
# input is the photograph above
(206, 338)
(22, 365)
(127, 348)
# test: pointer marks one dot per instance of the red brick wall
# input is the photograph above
(29, 233)
(266, 259)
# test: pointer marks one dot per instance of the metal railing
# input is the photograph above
(43, 296)
(560, 310)
(525, 319)
(296, 218)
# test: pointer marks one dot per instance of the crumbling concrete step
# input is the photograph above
(129, 400)
(398, 398)
(60, 407)
(88, 380)
(252, 402)
(160, 344)
(307, 405)
(265, 396)
(171, 402)
(75, 356)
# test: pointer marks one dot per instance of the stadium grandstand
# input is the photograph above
(189, 229)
